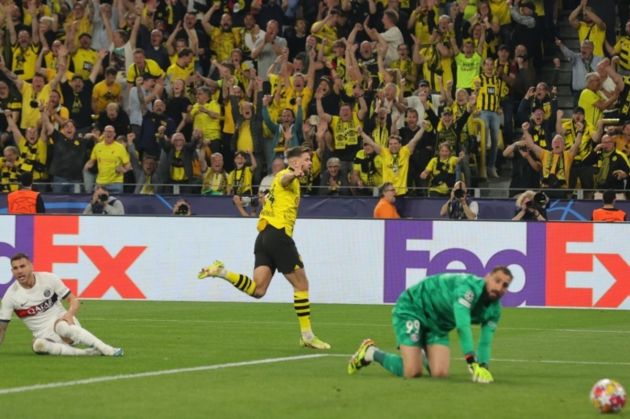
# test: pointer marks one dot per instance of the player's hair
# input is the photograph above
(503, 269)
(19, 256)
(296, 151)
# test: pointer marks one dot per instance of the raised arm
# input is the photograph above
(170, 42)
(133, 37)
(11, 75)
(12, 125)
(205, 22)
(579, 133)
(596, 19)
(574, 16)
(416, 138)
(320, 109)
(10, 24)
(367, 139)
(34, 22)
(529, 141)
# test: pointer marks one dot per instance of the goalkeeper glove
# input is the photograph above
(480, 374)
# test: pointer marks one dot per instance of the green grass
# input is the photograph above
(589, 345)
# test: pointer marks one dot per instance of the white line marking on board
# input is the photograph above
(281, 322)
(157, 373)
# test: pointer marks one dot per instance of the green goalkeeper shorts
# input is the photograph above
(410, 327)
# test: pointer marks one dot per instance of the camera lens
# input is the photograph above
(459, 193)
(103, 197)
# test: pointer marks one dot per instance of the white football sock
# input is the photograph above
(369, 353)
(43, 346)
(80, 335)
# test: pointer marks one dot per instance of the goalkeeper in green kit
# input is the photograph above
(424, 315)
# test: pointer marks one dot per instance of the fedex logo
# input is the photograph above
(601, 268)
(555, 264)
(35, 236)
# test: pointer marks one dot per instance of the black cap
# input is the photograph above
(423, 83)
(579, 109)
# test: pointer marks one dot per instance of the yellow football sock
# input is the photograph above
(242, 282)
(302, 308)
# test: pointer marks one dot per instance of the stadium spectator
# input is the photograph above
(459, 206)
(608, 212)
(582, 63)
(146, 176)
(33, 149)
(70, 151)
(525, 167)
(557, 163)
(112, 160)
(395, 158)
(367, 170)
(10, 169)
(240, 180)
(276, 165)
(177, 158)
(590, 26)
(334, 181)
(103, 203)
(456, 301)
(611, 167)
(36, 298)
(441, 171)
(214, 176)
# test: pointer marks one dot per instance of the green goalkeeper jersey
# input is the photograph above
(448, 301)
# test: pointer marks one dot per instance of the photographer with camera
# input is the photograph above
(531, 206)
(460, 206)
(103, 203)
(249, 206)
(182, 207)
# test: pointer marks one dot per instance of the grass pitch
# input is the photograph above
(229, 360)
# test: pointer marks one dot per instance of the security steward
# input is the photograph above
(25, 200)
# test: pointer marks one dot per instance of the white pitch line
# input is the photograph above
(148, 320)
(157, 373)
(531, 361)
(542, 329)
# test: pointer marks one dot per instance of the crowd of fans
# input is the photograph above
(413, 94)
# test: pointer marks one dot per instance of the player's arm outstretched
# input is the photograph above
(288, 177)
(486, 337)
(461, 307)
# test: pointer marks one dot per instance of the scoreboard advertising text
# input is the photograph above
(556, 264)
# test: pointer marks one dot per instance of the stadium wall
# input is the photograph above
(565, 264)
